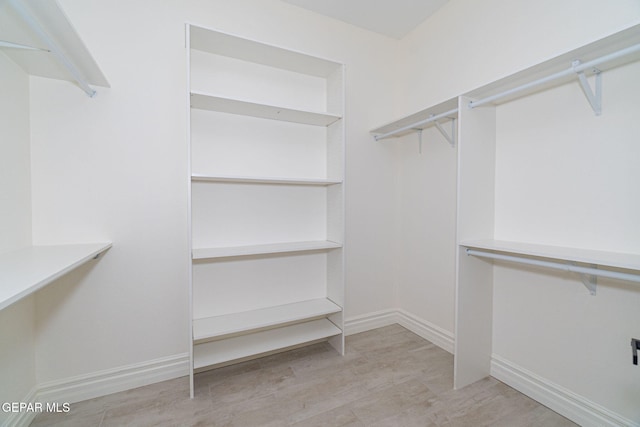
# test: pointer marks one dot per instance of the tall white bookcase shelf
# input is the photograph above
(266, 199)
(474, 136)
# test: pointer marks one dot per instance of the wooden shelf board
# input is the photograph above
(41, 62)
(238, 323)
(211, 102)
(416, 117)
(271, 248)
(588, 256)
(264, 180)
(224, 44)
(225, 350)
(24, 271)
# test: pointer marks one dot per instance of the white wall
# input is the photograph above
(17, 365)
(553, 157)
(115, 167)
(566, 177)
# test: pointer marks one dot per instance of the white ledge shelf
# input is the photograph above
(587, 256)
(203, 101)
(263, 180)
(218, 327)
(419, 120)
(253, 345)
(42, 41)
(264, 249)
(24, 271)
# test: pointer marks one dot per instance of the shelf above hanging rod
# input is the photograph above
(588, 274)
(419, 125)
(578, 68)
(605, 54)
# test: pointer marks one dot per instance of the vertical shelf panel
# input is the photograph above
(474, 281)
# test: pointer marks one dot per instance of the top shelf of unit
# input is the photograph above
(626, 42)
(204, 101)
(588, 256)
(22, 24)
(224, 44)
(24, 271)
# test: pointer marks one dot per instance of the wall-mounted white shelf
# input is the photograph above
(24, 271)
(203, 101)
(273, 248)
(216, 352)
(264, 180)
(232, 46)
(218, 327)
(613, 51)
(587, 256)
(420, 120)
(59, 53)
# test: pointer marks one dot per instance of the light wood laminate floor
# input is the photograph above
(388, 377)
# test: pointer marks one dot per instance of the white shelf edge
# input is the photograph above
(271, 248)
(263, 180)
(24, 271)
(226, 350)
(226, 44)
(216, 327)
(599, 48)
(447, 105)
(60, 33)
(210, 102)
(588, 256)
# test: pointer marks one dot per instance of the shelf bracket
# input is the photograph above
(451, 139)
(419, 140)
(594, 97)
(590, 281)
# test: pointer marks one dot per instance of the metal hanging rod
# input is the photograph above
(446, 114)
(574, 69)
(588, 273)
(52, 47)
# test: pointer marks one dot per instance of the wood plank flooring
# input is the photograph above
(388, 377)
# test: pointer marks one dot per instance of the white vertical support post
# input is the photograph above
(474, 277)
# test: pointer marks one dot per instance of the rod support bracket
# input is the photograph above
(594, 96)
(419, 140)
(451, 138)
(590, 281)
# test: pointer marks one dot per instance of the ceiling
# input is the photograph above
(393, 18)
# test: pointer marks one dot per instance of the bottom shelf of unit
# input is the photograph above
(239, 347)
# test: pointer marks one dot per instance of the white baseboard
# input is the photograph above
(565, 402)
(109, 381)
(427, 330)
(22, 419)
(367, 322)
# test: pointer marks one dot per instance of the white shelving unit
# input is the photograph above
(475, 113)
(24, 271)
(266, 199)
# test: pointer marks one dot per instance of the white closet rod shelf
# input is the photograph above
(574, 69)
(416, 125)
(571, 267)
(52, 47)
